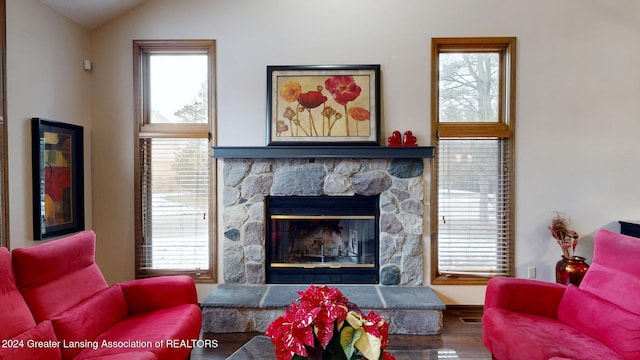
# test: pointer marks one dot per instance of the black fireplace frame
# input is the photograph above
(356, 205)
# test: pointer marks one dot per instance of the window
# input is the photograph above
(174, 175)
(473, 92)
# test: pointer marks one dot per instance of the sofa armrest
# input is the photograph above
(157, 293)
(525, 296)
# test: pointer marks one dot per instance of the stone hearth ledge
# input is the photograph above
(412, 310)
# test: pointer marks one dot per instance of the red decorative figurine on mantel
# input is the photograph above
(396, 139)
(409, 139)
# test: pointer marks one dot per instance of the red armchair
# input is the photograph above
(66, 292)
(18, 326)
(529, 319)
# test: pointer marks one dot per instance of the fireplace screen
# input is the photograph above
(322, 240)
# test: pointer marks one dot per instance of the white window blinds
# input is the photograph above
(175, 194)
(473, 207)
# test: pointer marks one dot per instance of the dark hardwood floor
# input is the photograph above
(465, 337)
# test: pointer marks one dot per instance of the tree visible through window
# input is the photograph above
(174, 227)
(473, 126)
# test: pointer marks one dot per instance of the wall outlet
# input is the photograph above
(532, 272)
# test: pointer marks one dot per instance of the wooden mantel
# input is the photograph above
(323, 151)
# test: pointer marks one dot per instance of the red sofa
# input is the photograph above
(56, 304)
(529, 319)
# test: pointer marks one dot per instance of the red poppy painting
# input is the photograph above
(323, 104)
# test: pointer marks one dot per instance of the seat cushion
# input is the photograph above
(617, 328)
(37, 343)
(143, 332)
(57, 275)
(511, 335)
(14, 312)
(87, 320)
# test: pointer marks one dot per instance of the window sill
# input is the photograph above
(459, 280)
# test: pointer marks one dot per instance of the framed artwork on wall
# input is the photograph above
(323, 105)
(58, 178)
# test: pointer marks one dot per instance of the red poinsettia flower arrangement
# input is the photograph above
(307, 329)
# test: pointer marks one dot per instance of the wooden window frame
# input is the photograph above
(503, 128)
(142, 49)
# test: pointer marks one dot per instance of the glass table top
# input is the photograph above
(261, 348)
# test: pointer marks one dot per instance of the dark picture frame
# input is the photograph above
(323, 105)
(58, 178)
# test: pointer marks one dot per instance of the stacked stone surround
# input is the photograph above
(398, 182)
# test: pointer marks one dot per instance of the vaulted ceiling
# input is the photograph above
(91, 14)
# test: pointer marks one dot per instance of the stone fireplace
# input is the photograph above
(396, 185)
(322, 239)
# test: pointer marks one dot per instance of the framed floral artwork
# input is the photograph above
(323, 105)
(58, 178)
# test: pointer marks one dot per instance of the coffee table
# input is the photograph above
(261, 348)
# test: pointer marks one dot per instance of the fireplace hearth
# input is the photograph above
(321, 240)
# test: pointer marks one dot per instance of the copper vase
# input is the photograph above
(571, 270)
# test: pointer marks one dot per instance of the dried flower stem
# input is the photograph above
(566, 238)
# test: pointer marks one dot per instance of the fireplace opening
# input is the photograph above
(322, 240)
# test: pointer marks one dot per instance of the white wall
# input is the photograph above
(578, 132)
(44, 79)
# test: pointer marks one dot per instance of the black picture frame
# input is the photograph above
(323, 105)
(58, 178)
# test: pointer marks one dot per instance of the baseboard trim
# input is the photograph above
(474, 308)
